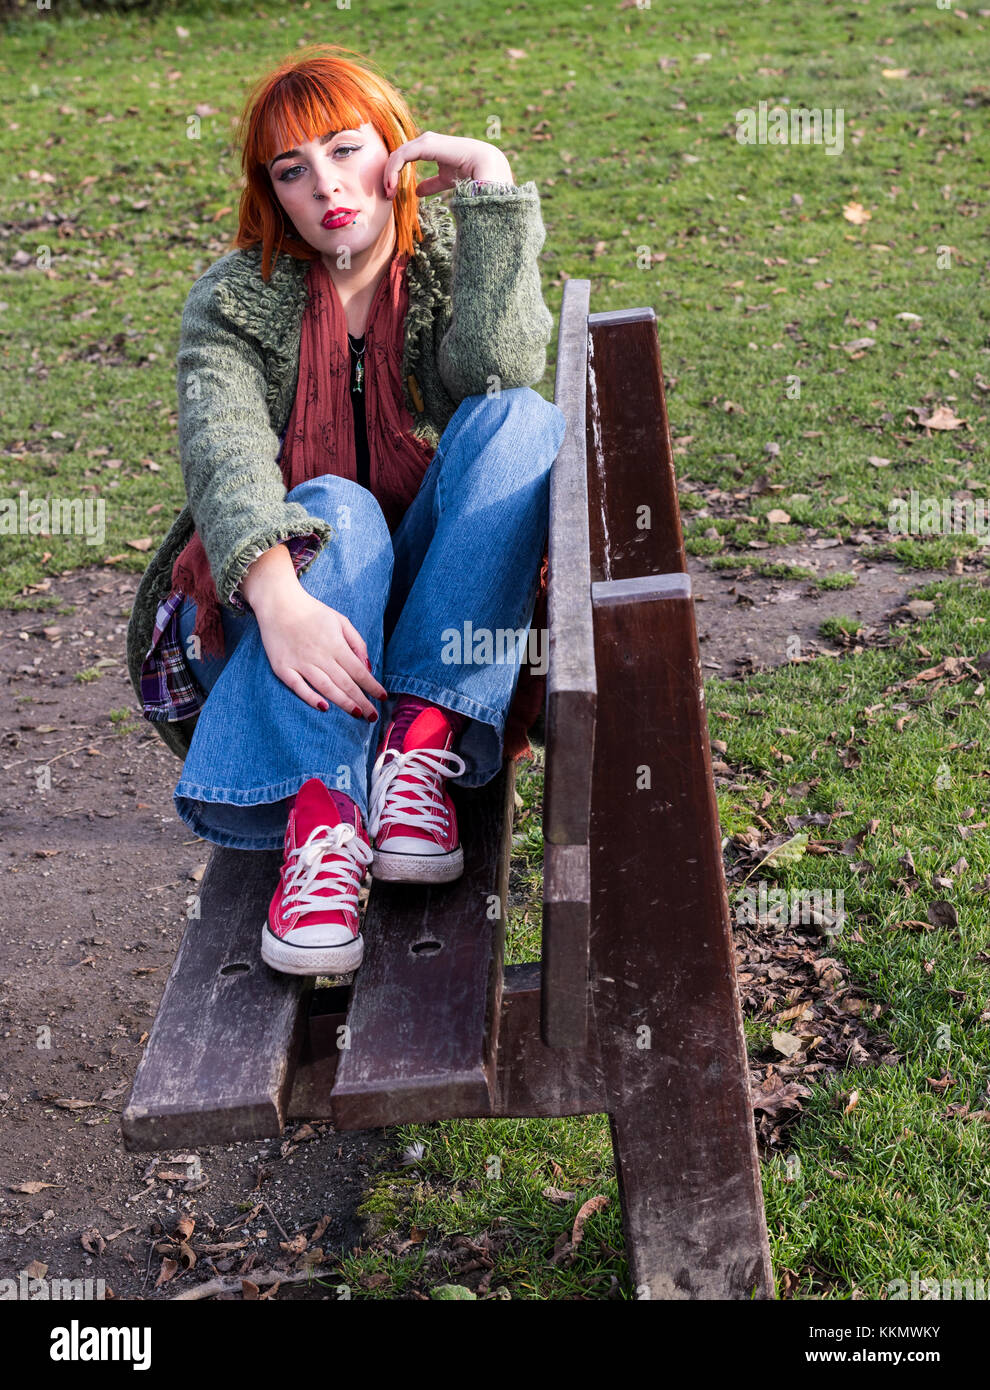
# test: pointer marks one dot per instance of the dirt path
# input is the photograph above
(97, 873)
(746, 623)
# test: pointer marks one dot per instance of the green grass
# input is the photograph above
(840, 629)
(759, 284)
(843, 579)
(908, 1181)
(858, 1199)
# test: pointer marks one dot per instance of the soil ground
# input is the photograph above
(97, 872)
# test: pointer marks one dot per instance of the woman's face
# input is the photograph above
(345, 171)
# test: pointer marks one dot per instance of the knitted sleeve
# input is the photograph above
(500, 326)
(228, 450)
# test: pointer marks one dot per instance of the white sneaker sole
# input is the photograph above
(417, 868)
(310, 960)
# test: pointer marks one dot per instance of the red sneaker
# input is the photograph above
(313, 926)
(410, 815)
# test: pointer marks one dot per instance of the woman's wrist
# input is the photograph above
(491, 172)
(270, 580)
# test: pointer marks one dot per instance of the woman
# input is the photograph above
(367, 472)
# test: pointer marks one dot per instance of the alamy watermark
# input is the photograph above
(782, 125)
(54, 516)
(483, 646)
(915, 515)
(938, 1288)
(25, 1288)
(821, 908)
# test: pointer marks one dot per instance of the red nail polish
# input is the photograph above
(355, 709)
(372, 718)
(367, 663)
(323, 705)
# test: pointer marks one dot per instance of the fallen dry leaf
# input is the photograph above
(555, 1194)
(589, 1208)
(941, 913)
(168, 1270)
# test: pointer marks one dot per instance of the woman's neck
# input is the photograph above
(357, 285)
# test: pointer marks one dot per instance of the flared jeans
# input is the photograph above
(444, 603)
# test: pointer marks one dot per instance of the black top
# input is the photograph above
(360, 418)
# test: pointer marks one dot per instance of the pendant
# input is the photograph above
(359, 375)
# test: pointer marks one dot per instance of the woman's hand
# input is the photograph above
(317, 652)
(456, 157)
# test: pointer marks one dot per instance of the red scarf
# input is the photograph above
(320, 434)
(320, 439)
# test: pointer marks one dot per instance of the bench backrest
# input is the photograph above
(572, 696)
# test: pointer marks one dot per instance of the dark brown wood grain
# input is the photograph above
(665, 1001)
(219, 1062)
(422, 1026)
(634, 521)
(531, 1078)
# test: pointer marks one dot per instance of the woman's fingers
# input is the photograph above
(353, 638)
(338, 680)
(361, 671)
(406, 153)
(299, 687)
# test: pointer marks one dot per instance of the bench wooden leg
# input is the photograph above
(666, 1008)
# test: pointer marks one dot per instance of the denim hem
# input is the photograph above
(230, 796)
(443, 695)
(451, 699)
(226, 839)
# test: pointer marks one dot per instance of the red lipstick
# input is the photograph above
(338, 217)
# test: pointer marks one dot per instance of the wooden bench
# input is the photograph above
(633, 1009)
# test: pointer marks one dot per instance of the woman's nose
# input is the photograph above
(326, 183)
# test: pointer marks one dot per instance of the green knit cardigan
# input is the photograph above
(476, 318)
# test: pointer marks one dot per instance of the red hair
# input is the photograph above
(302, 99)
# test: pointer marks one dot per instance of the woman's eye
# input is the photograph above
(347, 149)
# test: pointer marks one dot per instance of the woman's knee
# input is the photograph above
(528, 413)
(341, 501)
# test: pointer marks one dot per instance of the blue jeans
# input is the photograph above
(464, 561)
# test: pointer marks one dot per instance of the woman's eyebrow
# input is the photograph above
(324, 140)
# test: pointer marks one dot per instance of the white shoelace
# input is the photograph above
(345, 876)
(411, 804)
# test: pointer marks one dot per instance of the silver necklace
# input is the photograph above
(358, 382)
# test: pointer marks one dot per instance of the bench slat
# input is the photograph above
(532, 1079)
(571, 698)
(665, 1000)
(219, 1064)
(571, 683)
(425, 1005)
(631, 462)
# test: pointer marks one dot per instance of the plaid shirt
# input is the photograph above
(169, 691)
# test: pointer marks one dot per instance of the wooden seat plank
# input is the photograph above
(422, 1026)
(219, 1063)
(532, 1079)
